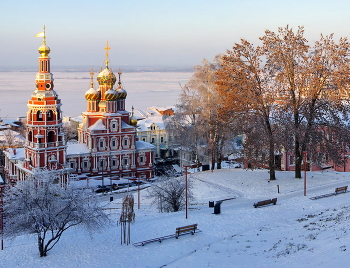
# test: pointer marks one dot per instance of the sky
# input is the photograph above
(153, 32)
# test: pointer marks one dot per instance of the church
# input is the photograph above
(107, 139)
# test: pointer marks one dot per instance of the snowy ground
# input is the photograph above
(297, 232)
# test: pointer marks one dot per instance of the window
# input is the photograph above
(141, 159)
(30, 136)
(51, 136)
(125, 142)
(72, 165)
(152, 140)
(114, 163)
(161, 139)
(102, 164)
(49, 115)
(291, 160)
(39, 116)
(143, 139)
(125, 161)
(101, 144)
(113, 125)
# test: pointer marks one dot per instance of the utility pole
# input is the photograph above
(186, 167)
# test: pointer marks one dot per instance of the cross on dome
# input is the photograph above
(107, 48)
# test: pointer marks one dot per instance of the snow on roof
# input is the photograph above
(99, 125)
(11, 122)
(141, 145)
(154, 118)
(125, 125)
(77, 148)
(16, 153)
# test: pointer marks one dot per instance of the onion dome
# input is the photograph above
(133, 120)
(106, 77)
(111, 95)
(121, 93)
(44, 50)
(92, 94)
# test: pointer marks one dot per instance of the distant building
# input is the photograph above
(107, 141)
(151, 128)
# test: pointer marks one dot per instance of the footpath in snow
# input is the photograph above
(296, 232)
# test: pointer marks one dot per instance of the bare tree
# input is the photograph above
(198, 116)
(40, 205)
(170, 194)
(126, 218)
(70, 131)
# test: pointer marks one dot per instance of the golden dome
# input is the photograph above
(106, 77)
(133, 121)
(44, 50)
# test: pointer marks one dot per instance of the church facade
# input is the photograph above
(107, 145)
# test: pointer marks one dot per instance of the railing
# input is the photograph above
(45, 145)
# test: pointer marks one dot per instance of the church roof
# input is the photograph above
(16, 153)
(77, 148)
(125, 125)
(141, 145)
(99, 125)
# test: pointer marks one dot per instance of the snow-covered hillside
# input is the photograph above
(296, 232)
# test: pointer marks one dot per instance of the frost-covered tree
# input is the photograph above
(42, 206)
(170, 193)
(198, 116)
(313, 87)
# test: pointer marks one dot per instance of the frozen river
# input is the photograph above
(145, 89)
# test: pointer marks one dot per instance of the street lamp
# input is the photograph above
(138, 191)
(186, 167)
(2, 216)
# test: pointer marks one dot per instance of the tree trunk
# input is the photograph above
(272, 161)
(42, 251)
(298, 159)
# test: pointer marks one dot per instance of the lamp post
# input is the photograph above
(2, 217)
(304, 153)
(186, 167)
(138, 192)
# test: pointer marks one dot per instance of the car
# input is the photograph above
(102, 189)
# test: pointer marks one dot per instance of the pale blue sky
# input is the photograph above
(153, 32)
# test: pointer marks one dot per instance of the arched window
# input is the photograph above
(49, 115)
(30, 136)
(58, 114)
(51, 136)
(39, 116)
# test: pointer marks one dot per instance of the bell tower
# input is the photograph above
(45, 146)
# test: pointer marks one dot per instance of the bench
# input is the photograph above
(342, 189)
(265, 202)
(189, 229)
